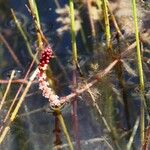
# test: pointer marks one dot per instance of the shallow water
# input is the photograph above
(35, 126)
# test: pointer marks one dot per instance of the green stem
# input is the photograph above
(73, 35)
(107, 25)
(140, 70)
(75, 65)
(61, 119)
(35, 12)
(23, 35)
(36, 19)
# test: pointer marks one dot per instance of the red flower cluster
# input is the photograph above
(46, 55)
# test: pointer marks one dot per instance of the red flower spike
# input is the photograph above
(46, 55)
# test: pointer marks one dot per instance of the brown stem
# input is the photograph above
(75, 115)
(57, 131)
(98, 76)
(10, 51)
(90, 84)
(147, 139)
(23, 81)
(18, 92)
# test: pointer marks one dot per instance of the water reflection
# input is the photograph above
(22, 19)
(45, 28)
(6, 73)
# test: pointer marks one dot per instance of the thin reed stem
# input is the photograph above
(15, 58)
(107, 24)
(36, 19)
(140, 71)
(114, 21)
(62, 122)
(107, 125)
(17, 94)
(16, 109)
(129, 144)
(7, 89)
(75, 64)
(14, 81)
(89, 6)
(147, 139)
(23, 35)
(73, 35)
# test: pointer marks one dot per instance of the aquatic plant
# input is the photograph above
(100, 96)
(48, 92)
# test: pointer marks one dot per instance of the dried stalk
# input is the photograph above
(17, 94)
(7, 89)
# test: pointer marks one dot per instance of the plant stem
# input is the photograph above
(75, 64)
(140, 70)
(15, 58)
(61, 119)
(7, 89)
(133, 134)
(73, 36)
(107, 25)
(16, 109)
(36, 19)
(17, 94)
(23, 35)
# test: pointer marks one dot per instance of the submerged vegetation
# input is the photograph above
(75, 74)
